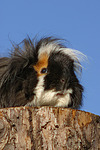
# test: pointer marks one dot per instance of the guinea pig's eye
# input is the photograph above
(43, 70)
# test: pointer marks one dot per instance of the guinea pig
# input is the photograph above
(41, 73)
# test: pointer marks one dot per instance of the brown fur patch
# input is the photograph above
(42, 63)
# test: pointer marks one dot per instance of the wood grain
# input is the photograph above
(48, 128)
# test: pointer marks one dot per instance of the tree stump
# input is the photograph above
(48, 128)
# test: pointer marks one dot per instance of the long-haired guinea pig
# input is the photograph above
(42, 73)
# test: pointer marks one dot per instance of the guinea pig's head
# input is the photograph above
(57, 70)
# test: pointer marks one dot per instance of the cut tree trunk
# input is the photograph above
(48, 128)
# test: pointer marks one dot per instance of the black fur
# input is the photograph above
(61, 75)
(18, 78)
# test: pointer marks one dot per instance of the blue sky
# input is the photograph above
(77, 21)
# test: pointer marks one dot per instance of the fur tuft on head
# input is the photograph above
(50, 45)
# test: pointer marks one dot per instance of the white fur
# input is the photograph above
(49, 48)
(75, 55)
(49, 97)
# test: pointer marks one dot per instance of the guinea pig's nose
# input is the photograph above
(62, 80)
(64, 83)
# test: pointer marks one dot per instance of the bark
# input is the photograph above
(47, 128)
